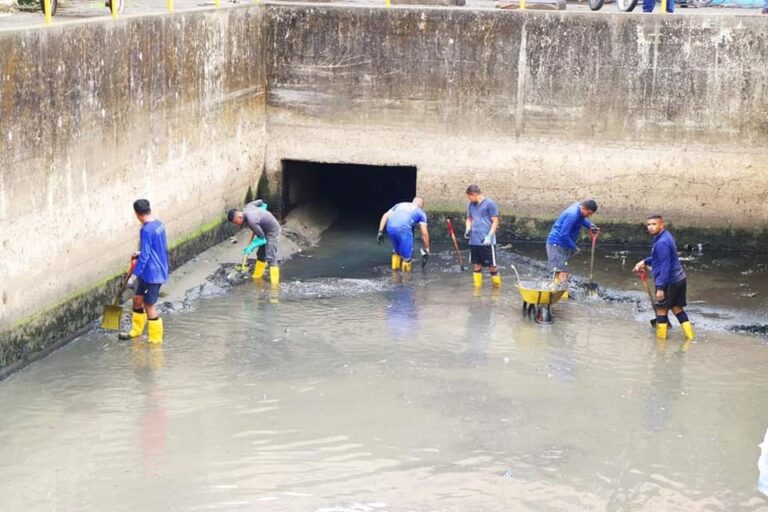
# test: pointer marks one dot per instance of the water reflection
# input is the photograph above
(402, 313)
(666, 383)
(148, 359)
(481, 321)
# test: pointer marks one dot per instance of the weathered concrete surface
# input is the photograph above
(93, 116)
(644, 113)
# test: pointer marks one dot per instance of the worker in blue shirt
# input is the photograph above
(398, 222)
(149, 273)
(480, 229)
(668, 277)
(561, 242)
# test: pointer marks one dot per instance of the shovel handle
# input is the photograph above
(125, 281)
(455, 243)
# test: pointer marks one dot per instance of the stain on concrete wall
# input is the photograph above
(95, 115)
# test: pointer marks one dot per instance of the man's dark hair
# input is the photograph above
(141, 207)
(231, 214)
(590, 205)
(655, 216)
(473, 189)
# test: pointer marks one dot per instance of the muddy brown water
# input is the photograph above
(348, 390)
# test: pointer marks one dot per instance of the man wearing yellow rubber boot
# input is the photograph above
(668, 276)
(264, 226)
(561, 241)
(150, 272)
(398, 222)
(481, 225)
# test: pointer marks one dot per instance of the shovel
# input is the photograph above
(592, 287)
(644, 278)
(113, 313)
(455, 244)
(239, 269)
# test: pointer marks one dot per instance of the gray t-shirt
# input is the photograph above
(482, 218)
(261, 222)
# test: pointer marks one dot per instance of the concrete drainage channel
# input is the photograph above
(194, 109)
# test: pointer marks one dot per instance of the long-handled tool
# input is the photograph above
(644, 278)
(455, 244)
(591, 287)
(113, 313)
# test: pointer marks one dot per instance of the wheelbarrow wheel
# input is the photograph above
(54, 6)
(596, 5)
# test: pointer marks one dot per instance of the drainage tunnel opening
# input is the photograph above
(357, 192)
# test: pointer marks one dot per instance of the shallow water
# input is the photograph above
(348, 390)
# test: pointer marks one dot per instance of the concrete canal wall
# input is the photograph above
(95, 115)
(644, 113)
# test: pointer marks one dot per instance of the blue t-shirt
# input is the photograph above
(565, 232)
(404, 216)
(664, 261)
(152, 266)
(482, 215)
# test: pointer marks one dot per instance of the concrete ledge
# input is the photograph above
(536, 5)
(512, 227)
(444, 3)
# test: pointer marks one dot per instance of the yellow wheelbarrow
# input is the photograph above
(537, 298)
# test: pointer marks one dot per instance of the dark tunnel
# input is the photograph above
(359, 193)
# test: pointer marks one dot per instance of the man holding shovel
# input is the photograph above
(149, 274)
(668, 276)
(266, 236)
(398, 222)
(561, 242)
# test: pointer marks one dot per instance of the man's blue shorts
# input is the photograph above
(402, 242)
(558, 257)
(150, 291)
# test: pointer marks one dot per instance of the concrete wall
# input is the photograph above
(95, 115)
(644, 113)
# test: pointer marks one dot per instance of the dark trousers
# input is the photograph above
(648, 5)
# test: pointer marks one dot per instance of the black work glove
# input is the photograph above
(594, 229)
(380, 238)
(424, 257)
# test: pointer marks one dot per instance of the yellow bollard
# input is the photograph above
(664, 6)
(47, 12)
(169, 5)
(217, 3)
(522, 5)
(113, 7)
(387, 3)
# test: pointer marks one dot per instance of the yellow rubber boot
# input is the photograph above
(477, 278)
(138, 321)
(661, 331)
(496, 280)
(407, 265)
(396, 262)
(687, 330)
(258, 269)
(274, 275)
(155, 331)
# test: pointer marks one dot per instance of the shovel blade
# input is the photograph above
(592, 289)
(111, 318)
